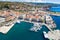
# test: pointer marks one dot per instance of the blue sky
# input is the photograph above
(45, 1)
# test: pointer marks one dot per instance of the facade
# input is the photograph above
(2, 20)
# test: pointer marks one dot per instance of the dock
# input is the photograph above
(5, 28)
(48, 27)
(54, 35)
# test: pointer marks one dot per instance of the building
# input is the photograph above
(2, 19)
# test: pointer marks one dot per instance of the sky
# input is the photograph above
(39, 1)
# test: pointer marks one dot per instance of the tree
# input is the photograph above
(6, 6)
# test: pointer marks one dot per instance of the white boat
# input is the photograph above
(45, 34)
(33, 29)
(36, 27)
(18, 21)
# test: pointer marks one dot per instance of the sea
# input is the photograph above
(54, 9)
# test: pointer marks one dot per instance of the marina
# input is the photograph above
(28, 21)
(38, 18)
(36, 27)
(25, 33)
(49, 23)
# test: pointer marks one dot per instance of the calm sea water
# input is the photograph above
(55, 9)
(21, 31)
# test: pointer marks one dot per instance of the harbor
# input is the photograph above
(24, 33)
(38, 20)
(27, 21)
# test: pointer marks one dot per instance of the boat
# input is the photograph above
(45, 34)
(18, 21)
(36, 27)
(33, 29)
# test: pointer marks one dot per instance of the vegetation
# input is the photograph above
(19, 6)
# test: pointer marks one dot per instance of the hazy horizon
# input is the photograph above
(37, 1)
